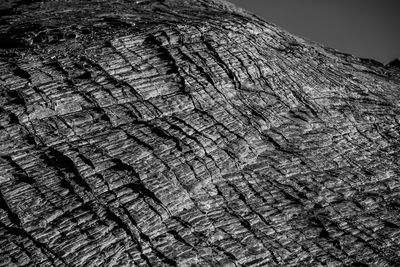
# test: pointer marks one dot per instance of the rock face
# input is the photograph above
(394, 63)
(190, 133)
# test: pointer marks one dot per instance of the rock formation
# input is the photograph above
(190, 133)
(394, 63)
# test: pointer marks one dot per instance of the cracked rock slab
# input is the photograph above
(190, 133)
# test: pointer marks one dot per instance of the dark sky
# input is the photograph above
(365, 28)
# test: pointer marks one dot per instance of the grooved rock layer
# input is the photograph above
(190, 133)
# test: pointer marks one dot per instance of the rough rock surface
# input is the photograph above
(190, 133)
(394, 63)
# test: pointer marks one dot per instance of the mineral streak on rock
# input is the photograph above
(190, 133)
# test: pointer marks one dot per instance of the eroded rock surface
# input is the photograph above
(190, 133)
(395, 63)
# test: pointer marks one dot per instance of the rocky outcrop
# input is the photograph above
(394, 63)
(190, 133)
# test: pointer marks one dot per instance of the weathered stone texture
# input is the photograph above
(190, 133)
